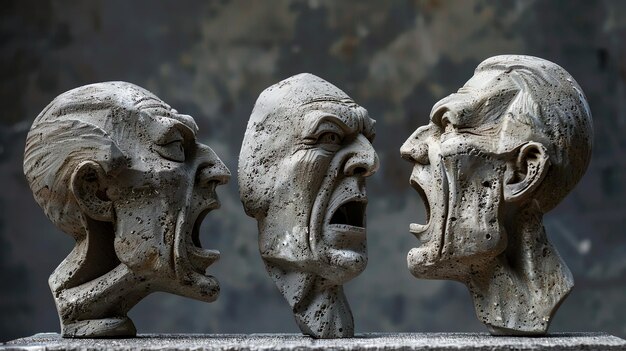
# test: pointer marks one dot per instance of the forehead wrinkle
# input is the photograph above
(349, 113)
(493, 105)
(467, 105)
(154, 103)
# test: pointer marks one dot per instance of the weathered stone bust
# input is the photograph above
(497, 155)
(122, 173)
(305, 156)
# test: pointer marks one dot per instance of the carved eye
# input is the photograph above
(173, 151)
(329, 138)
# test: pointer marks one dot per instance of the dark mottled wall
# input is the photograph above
(211, 59)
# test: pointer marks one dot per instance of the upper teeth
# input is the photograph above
(416, 228)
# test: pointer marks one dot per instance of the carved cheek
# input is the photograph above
(473, 226)
(146, 205)
(310, 167)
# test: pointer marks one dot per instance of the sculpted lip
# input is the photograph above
(415, 228)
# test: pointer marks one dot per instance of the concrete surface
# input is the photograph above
(369, 341)
(396, 58)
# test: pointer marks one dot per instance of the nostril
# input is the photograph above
(362, 168)
(222, 179)
(407, 157)
(359, 171)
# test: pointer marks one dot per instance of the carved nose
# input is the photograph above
(414, 150)
(364, 161)
(212, 169)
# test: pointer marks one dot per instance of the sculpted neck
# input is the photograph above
(320, 310)
(520, 291)
(92, 290)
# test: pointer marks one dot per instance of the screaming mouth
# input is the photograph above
(199, 257)
(416, 228)
(351, 213)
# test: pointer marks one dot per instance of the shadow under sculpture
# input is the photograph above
(122, 173)
(305, 156)
(497, 155)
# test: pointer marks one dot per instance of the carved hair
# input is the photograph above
(76, 126)
(553, 103)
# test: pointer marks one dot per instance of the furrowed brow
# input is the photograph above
(324, 117)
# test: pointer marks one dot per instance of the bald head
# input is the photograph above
(284, 115)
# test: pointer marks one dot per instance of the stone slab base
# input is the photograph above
(370, 341)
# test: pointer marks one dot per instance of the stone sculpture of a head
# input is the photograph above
(497, 155)
(120, 171)
(305, 156)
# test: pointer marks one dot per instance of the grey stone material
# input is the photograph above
(495, 157)
(122, 173)
(302, 167)
(369, 341)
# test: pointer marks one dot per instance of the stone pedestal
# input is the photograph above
(370, 341)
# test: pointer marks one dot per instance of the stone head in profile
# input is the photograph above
(120, 171)
(305, 156)
(497, 155)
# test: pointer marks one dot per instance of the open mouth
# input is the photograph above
(199, 257)
(351, 214)
(416, 228)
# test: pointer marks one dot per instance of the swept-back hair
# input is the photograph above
(77, 126)
(553, 103)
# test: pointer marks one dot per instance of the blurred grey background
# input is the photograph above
(211, 59)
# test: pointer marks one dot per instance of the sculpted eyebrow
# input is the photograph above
(368, 127)
(187, 122)
(150, 102)
(437, 113)
(175, 129)
(329, 118)
(164, 111)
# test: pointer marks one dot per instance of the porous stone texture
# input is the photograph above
(396, 58)
(122, 173)
(369, 341)
(497, 155)
(305, 156)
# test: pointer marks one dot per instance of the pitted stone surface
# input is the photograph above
(496, 156)
(395, 58)
(369, 341)
(123, 174)
(304, 159)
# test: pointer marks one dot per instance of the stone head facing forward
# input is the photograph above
(120, 171)
(302, 168)
(497, 155)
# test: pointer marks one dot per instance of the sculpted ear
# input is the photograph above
(88, 184)
(525, 172)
